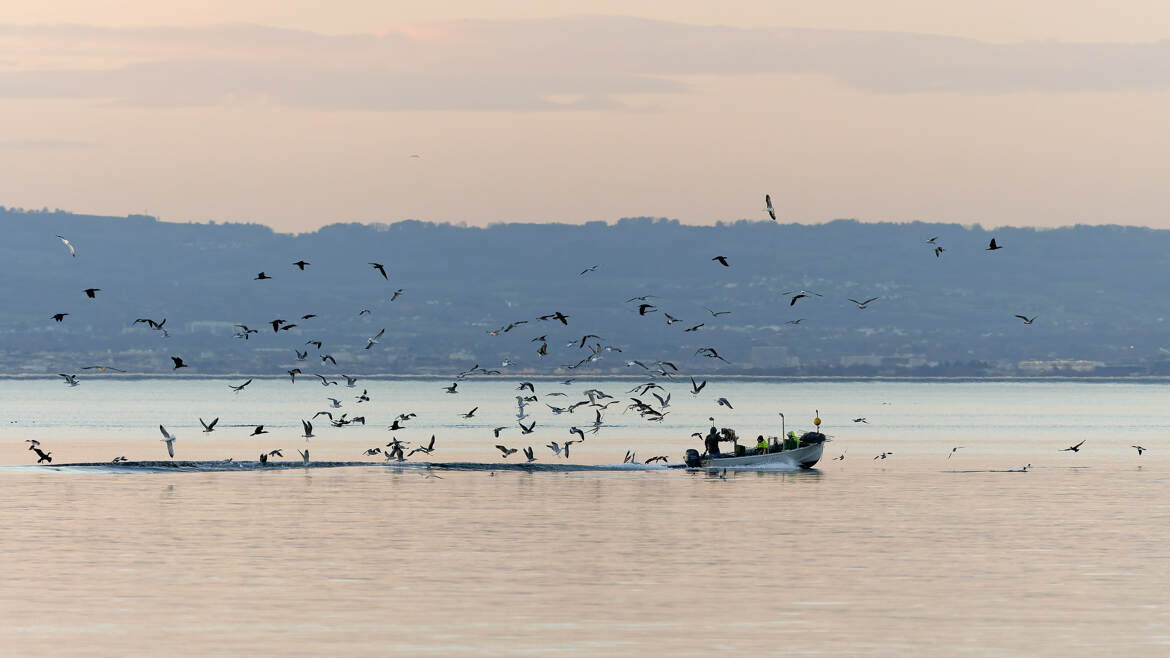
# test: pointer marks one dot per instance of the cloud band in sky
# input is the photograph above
(581, 63)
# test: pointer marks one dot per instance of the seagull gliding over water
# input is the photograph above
(168, 439)
(72, 251)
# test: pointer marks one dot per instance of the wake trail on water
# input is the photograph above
(254, 466)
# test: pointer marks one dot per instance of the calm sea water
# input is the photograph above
(916, 554)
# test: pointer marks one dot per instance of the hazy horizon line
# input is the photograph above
(970, 226)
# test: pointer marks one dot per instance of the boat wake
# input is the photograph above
(253, 466)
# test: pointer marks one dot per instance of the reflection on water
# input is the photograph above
(911, 555)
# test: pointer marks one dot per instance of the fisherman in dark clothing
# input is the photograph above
(711, 443)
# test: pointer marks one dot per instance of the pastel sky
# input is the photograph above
(298, 114)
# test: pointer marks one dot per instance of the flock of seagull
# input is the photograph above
(398, 450)
(651, 401)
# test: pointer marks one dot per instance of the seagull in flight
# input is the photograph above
(308, 427)
(397, 294)
(993, 246)
(769, 208)
(724, 403)
(381, 269)
(168, 439)
(370, 342)
(470, 414)
(592, 268)
(710, 353)
(208, 427)
(862, 305)
(697, 387)
(1026, 319)
(42, 456)
(58, 316)
(301, 264)
(861, 420)
(953, 451)
(157, 326)
(102, 368)
(1140, 450)
(506, 450)
(259, 430)
(799, 294)
(564, 319)
(722, 260)
(72, 251)
(261, 276)
(178, 362)
(239, 388)
(427, 449)
(715, 314)
(92, 292)
(512, 325)
(1076, 448)
(695, 328)
(69, 379)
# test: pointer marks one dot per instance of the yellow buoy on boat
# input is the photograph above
(817, 420)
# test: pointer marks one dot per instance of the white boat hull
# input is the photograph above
(804, 457)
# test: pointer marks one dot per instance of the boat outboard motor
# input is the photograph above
(692, 458)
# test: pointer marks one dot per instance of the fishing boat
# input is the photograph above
(783, 451)
(812, 445)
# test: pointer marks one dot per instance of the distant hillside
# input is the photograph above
(1097, 292)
